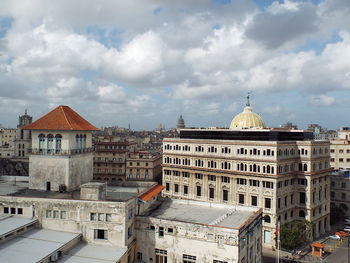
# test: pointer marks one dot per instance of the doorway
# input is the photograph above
(48, 186)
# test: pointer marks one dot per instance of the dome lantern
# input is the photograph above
(247, 119)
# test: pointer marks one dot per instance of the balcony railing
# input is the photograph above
(59, 152)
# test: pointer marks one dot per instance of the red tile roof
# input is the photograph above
(62, 118)
(152, 193)
(319, 245)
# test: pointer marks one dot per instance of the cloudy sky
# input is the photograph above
(146, 62)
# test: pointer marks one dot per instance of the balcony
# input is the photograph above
(36, 151)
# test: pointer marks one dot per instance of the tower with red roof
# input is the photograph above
(61, 157)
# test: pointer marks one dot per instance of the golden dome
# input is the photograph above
(247, 120)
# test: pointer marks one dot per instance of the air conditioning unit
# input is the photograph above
(54, 257)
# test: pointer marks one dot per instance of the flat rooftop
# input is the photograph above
(10, 223)
(114, 193)
(89, 253)
(246, 135)
(34, 245)
(204, 213)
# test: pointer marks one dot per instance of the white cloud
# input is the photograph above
(322, 100)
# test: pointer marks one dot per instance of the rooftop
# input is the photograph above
(88, 253)
(246, 135)
(114, 193)
(35, 245)
(196, 212)
(62, 118)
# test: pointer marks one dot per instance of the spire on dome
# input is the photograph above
(248, 97)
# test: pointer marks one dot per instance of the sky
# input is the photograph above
(143, 63)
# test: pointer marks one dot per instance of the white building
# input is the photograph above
(191, 231)
(61, 155)
(284, 172)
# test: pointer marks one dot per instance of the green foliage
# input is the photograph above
(337, 213)
(295, 233)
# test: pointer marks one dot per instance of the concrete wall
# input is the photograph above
(71, 171)
(207, 243)
(77, 217)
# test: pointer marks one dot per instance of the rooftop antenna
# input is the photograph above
(248, 97)
(25, 112)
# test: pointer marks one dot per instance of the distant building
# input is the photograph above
(180, 123)
(340, 189)
(340, 149)
(144, 166)
(23, 139)
(284, 172)
(110, 158)
(289, 126)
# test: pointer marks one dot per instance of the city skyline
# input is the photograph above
(119, 63)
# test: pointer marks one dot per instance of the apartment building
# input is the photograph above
(110, 159)
(144, 166)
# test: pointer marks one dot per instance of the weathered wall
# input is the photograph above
(77, 216)
(71, 171)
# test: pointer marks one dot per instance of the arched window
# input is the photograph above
(49, 143)
(305, 167)
(58, 143)
(80, 141)
(254, 167)
(84, 141)
(41, 142)
(268, 169)
(77, 141)
(272, 170)
(267, 219)
(302, 213)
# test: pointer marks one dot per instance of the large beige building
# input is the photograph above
(144, 166)
(110, 159)
(340, 150)
(284, 172)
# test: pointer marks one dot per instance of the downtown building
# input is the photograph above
(61, 215)
(284, 172)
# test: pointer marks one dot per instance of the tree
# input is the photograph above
(295, 233)
(337, 212)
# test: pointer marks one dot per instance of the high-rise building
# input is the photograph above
(340, 149)
(284, 172)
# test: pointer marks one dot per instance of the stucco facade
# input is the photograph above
(288, 179)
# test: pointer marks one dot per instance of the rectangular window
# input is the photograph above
(254, 201)
(101, 217)
(185, 189)
(56, 214)
(48, 213)
(199, 176)
(161, 231)
(63, 214)
(185, 174)
(93, 216)
(211, 193)
(100, 234)
(241, 198)
(343, 196)
(161, 256)
(13, 210)
(19, 211)
(267, 202)
(198, 191)
(130, 231)
(108, 217)
(225, 179)
(188, 258)
(6, 210)
(176, 188)
(211, 177)
(302, 197)
(167, 187)
(139, 256)
(225, 195)
(343, 185)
